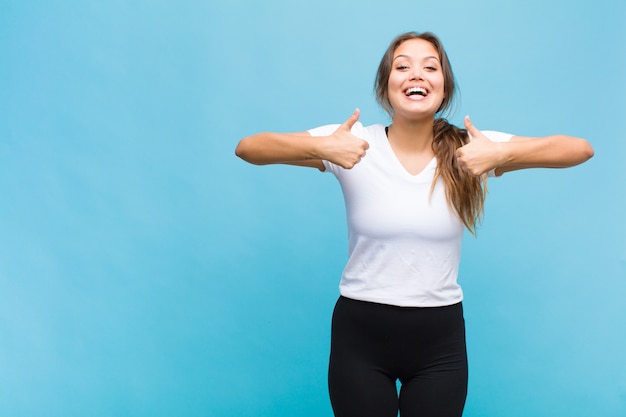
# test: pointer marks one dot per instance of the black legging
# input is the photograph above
(374, 345)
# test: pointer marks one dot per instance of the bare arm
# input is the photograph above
(341, 148)
(281, 148)
(556, 151)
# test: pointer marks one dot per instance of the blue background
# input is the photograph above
(146, 271)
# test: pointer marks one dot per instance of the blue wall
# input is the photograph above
(145, 271)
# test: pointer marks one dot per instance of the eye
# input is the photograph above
(430, 68)
(402, 67)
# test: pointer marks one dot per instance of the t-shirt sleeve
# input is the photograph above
(494, 136)
(323, 130)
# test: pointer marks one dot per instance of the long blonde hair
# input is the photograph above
(465, 193)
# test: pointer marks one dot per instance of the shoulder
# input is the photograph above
(373, 134)
(496, 136)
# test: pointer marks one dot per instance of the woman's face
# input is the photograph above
(416, 83)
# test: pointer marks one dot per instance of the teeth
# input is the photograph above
(415, 90)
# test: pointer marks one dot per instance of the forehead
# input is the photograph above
(416, 49)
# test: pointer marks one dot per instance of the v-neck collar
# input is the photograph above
(399, 164)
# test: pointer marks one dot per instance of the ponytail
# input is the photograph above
(465, 193)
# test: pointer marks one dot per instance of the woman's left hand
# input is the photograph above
(480, 155)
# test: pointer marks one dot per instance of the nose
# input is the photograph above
(416, 73)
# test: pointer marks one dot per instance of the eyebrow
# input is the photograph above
(406, 56)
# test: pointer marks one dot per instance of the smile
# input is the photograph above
(416, 91)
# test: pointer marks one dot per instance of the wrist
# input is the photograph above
(318, 147)
(504, 154)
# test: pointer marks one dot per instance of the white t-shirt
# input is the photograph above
(404, 243)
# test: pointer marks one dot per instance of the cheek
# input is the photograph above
(392, 87)
(393, 83)
(440, 83)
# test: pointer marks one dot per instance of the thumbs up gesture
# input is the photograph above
(480, 155)
(342, 147)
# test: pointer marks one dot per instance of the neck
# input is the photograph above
(412, 136)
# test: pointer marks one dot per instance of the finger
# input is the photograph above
(473, 131)
(351, 120)
(459, 160)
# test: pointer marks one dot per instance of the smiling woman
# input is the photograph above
(417, 56)
(410, 188)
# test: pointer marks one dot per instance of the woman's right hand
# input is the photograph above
(342, 147)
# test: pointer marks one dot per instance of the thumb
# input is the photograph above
(471, 129)
(351, 120)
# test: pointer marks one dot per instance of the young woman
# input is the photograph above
(410, 189)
